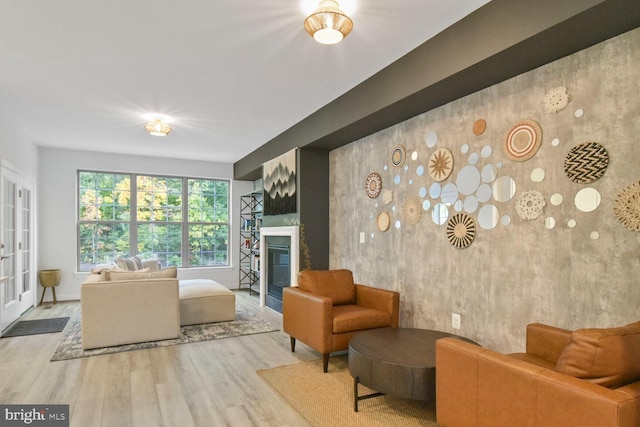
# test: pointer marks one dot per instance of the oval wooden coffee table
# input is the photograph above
(396, 361)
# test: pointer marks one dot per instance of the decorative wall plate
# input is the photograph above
(626, 206)
(479, 126)
(398, 155)
(586, 162)
(373, 186)
(461, 230)
(387, 196)
(555, 100)
(411, 210)
(529, 204)
(440, 164)
(383, 221)
(523, 140)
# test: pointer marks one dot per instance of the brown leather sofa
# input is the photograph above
(584, 378)
(328, 308)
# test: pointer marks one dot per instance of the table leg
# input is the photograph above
(357, 398)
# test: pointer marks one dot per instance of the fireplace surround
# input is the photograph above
(279, 256)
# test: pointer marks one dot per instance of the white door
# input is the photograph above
(26, 282)
(10, 305)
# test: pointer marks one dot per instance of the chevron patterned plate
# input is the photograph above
(586, 162)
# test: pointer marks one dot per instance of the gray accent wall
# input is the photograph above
(513, 274)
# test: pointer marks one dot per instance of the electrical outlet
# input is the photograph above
(455, 320)
(362, 237)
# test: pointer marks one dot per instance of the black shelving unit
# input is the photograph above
(250, 222)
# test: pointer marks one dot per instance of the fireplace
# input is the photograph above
(279, 267)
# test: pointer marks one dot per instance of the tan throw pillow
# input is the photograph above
(133, 263)
(166, 273)
(608, 357)
(335, 284)
(109, 274)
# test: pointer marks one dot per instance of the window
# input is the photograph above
(183, 222)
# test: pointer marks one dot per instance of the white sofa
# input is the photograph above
(128, 311)
(120, 307)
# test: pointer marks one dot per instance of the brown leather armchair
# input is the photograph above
(588, 377)
(328, 308)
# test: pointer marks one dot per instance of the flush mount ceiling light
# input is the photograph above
(328, 24)
(158, 127)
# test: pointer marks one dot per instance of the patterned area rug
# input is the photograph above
(327, 399)
(245, 324)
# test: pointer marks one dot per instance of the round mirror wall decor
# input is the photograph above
(586, 162)
(440, 214)
(489, 173)
(504, 188)
(468, 180)
(556, 199)
(537, 175)
(488, 217)
(587, 199)
(440, 164)
(461, 230)
(523, 140)
(431, 139)
(435, 190)
(398, 155)
(550, 223)
(373, 185)
(626, 206)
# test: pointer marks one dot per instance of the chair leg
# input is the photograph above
(325, 362)
(293, 344)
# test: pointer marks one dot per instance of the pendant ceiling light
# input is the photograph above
(158, 128)
(328, 24)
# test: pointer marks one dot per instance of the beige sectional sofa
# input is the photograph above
(125, 307)
(128, 311)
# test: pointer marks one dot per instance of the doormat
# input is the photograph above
(35, 327)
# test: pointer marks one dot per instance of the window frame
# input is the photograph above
(133, 222)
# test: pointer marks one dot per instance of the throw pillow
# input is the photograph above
(166, 273)
(608, 357)
(133, 263)
(109, 274)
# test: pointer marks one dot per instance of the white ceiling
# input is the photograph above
(233, 74)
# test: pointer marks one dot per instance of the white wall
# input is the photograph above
(17, 148)
(57, 204)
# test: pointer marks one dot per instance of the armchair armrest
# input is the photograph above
(546, 342)
(308, 318)
(380, 299)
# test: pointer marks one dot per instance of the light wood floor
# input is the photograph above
(211, 383)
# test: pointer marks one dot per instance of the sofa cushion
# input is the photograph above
(166, 273)
(349, 318)
(133, 263)
(608, 357)
(335, 284)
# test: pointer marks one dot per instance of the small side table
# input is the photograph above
(49, 279)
